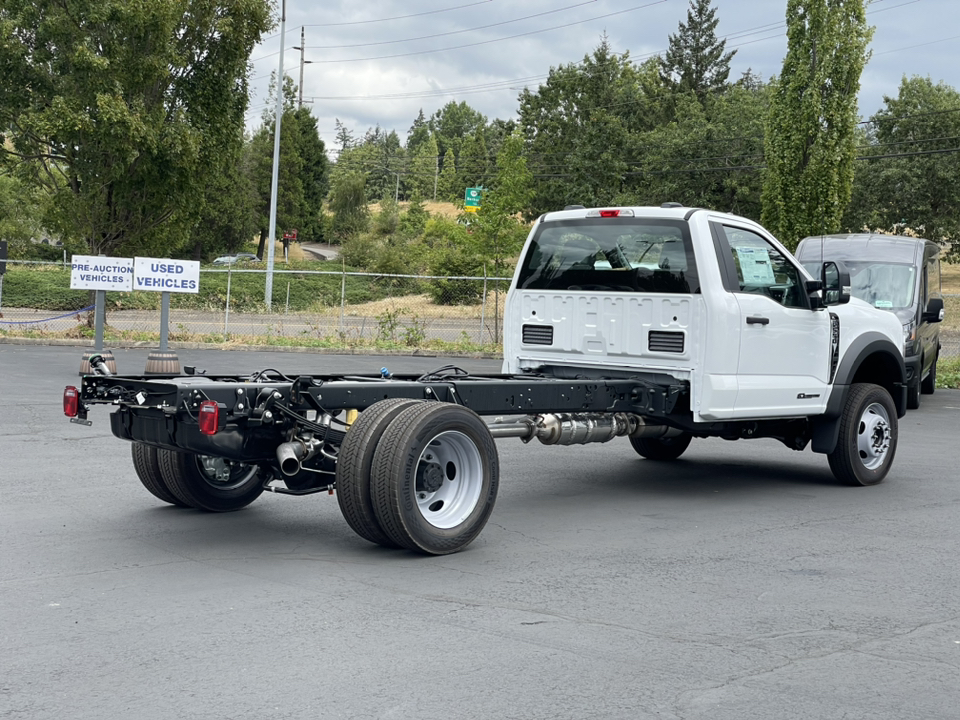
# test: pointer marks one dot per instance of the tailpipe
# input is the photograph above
(290, 455)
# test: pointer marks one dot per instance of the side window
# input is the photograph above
(763, 269)
(933, 279)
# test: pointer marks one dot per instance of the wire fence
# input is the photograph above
(311, 308)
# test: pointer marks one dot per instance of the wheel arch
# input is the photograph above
(870, 358)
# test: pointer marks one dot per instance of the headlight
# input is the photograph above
(909, 337)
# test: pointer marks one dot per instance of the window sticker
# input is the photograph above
(755, 265)
(883, 304)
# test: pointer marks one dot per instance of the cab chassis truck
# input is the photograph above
(659, 325)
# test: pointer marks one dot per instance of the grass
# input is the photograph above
(948, 373)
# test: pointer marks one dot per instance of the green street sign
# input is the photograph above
(472, 198)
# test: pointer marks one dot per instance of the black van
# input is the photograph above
(896, 273)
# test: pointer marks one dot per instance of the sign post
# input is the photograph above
(165, 276)
(100, 274)
(3, 269)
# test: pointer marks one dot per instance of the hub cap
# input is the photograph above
(873, 436)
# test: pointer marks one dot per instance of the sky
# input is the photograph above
(379, 62)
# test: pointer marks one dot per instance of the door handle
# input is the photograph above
(755, 320)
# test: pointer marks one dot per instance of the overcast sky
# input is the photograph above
(372, 64)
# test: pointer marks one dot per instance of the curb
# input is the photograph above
(126, 345)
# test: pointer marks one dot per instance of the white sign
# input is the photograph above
(755, 266)
(88, 272)
(164, 275)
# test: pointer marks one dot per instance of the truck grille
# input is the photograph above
(665, 341)
(538, 334)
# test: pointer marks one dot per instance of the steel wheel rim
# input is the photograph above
(223, 474)
(873, 436)
(449, 479)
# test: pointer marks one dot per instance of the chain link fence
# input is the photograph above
(310, 308)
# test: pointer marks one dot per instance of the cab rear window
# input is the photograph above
(611, 254)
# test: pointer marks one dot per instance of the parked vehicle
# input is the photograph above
(899, 274)
(658, 325)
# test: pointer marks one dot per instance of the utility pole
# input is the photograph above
(268, 289)
(302, 63)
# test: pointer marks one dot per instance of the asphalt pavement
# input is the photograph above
(740, 582)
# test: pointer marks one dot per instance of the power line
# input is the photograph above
(488, 42)
(452, 32)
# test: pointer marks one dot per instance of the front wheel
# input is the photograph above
(868, 436)
(434, 478)
(210, 483)
(667, 448)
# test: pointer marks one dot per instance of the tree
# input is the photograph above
(473, 160)
(314, 174)
(453, 123)
(418, 134)
(348, 202)
(920, 189)
(345, 139)
(122, 111)
(695, 60)
(423, 169)
(810, 130)
(450, 189)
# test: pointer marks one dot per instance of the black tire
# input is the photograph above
(867, 442)
(929, 383)
(913, 395)
(668, 448)
(353, 468)
(148, 470)
(189, 477)
(435, 478)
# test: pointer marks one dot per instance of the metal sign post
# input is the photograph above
(100, 274)
(165, 276)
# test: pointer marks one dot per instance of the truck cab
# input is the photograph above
(708, 298)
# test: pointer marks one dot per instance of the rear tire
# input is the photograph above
(354, 463)
(929, 383)
(868, 436)
(435, 478)
(210, 483)
(147, 465)
(668, 448)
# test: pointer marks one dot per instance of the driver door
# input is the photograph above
(784, 362)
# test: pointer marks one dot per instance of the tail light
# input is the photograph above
(209, 417)
(619, 212)
(71, 401)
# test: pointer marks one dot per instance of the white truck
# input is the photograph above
(659, 325)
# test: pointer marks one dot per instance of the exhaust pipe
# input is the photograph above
(290, 455)
(578, 428)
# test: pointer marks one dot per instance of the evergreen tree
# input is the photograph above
(418, 134)
(810, 139)
(695, 60)
(450, 188)
(345, 139)
(423, 169)
(473, 160)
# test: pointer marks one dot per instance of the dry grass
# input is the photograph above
(950, 278)
(423, 307)
(444, 209)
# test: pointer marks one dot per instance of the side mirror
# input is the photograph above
(836, 283)
(934, 311)
(813, 288)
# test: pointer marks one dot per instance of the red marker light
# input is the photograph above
(71, 401)
(209, 417)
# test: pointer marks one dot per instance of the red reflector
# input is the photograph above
(209, 417)
(71, 401)
(609, 213)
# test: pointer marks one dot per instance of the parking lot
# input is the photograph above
(740, 582)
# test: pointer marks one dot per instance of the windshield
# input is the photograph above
(610, 254)
(890, 286)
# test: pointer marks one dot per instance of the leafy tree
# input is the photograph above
(920, 189)
(20, 214)
(695, 60)
(810, 138)
(348, 202)
(453, 123)
(228, 219)
(423, 169)
(450, 189)
(121, 111)
(473, 160)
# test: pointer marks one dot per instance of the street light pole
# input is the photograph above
(268, 290)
